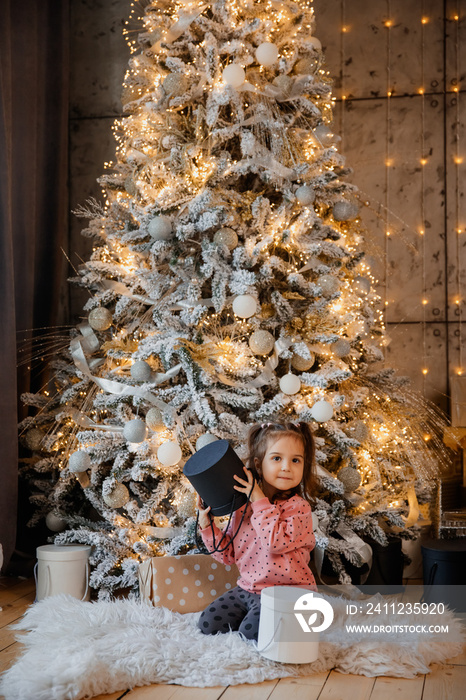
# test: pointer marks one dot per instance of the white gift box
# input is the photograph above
(62, 569)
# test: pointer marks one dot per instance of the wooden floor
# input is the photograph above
(443, 683)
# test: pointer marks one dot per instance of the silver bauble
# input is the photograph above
(33, 439)
(226, 236)
(329, 284)
(306, 66)
(302, 364)
(305, 195)
(154, 419)
(350, 478)
(175, 84)
(341, 348)
(79, 462)
(344, 210)
(117, 497)
(141, 371)
(323, 135)
(54, 522)
(261, 342)
(283, 82)
(205, 439)
(135, 430)
(130, 187)
(160, 228)
(361, 285)
(358, 430)
(100, 318)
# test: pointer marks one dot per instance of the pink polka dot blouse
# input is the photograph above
(273, 545)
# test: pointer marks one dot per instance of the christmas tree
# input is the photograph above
(228, 286)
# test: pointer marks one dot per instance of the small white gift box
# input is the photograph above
(62, 569)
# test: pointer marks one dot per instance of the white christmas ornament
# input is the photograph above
(226, 236)
(344, 210)
(100, 319)
(55, 523)
(267, 53)
(117, 497)
(302, 364)
(141, 371)
(322, 411)
(154, 419)
(79, 462)
(261, 342)
(234, 75)
(160, 228)
(342, 348)
(305, 195)
(290, 384)
(135, 430)
(244, 306)
(204, 440)
(315, 43)
(169, 453)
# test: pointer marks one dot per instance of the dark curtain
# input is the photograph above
(34, 78)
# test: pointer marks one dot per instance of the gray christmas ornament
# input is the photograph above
(226, 236)
(305, 195)
(154, 419)
(100, 318)
(135, 430)
(160, 228)
(141, 371)
(117, 497)
(33, 439)
(344, 210)
(261, 342)
(204, 440)
(358, 430)
(342, 348)
(350, 478)
(79, 462)
(175, 84)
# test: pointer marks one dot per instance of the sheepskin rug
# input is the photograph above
(78, 650)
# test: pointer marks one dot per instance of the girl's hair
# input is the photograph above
(258, 442)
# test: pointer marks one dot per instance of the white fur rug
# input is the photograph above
(78, 650)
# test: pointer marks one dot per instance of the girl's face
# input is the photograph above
(283, 465)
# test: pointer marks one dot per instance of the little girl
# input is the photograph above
(272, 547)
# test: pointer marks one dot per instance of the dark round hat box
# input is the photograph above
(210, 470)
(444, 572)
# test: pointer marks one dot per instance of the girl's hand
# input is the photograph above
(245, 487)
(204, 518)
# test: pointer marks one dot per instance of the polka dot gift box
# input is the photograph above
(185, 583)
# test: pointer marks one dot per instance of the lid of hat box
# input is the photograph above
(452, 550)
(64, 552)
